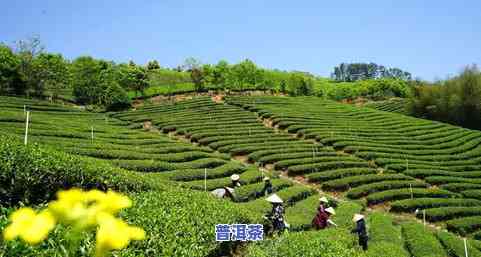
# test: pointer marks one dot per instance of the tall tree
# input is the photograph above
(359, 71)
(198, 78)
(86, 79)
(28, 50)
(52, 72)
(244, 74)
(133, 78)
(221, 71)
(10, 80)
(300, 84)
(208, 74)
(153, 65)
(191, 63)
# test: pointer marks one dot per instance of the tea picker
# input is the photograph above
(323, 203)
(235, 180)
(322, 219)
(225, 192)
(361, 230)
(330, 211)
(267, 190)
(276, 215)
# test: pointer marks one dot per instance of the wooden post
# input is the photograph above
(26, 127)
(92, 131)
(411, 189)
(424, 217)
(465, 247)
(205, 179)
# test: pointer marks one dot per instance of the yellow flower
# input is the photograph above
(29, 226)
(81, 209)
(94, 195)
(115, 234)
(114, 202)
(72, 196)
(67, 211)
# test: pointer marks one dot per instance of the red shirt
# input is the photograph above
(320, 220)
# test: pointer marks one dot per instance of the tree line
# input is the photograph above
(246, 75)
(349, 72)
(456, 100)
(27, 69)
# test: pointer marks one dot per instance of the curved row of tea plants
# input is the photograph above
(439, 162)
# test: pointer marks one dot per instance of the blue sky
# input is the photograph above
(431, 39)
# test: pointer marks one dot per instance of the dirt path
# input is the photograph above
(301, 180)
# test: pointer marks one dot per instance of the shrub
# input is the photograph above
(455, 246)
(167, 217)
(446, 213)
(338, 173)
(181, 223)
(315, 167)
(399, 194)
(409, 205)
(455, 100)
(476, 194)
(346, 183)
(421, 242)
(252, 175)
(367, 189)
(33, 174)
(249, 192)
(385, 238)
(157, 166)
(458, 187)
(309, 244)
(464, 225)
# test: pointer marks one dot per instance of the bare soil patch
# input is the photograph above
(242, 158)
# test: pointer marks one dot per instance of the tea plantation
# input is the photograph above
(167, 156)
(397, 105)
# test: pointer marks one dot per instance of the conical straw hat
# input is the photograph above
(357, 217)
(234, 177)
(331, 210)
(323, 199)
(274, 199)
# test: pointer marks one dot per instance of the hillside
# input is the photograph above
(365, 160)
(397, 105)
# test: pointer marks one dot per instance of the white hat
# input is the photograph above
(331, 210)
(357, 217)
(266, 178)
(323, 199)
(274, 199)
(235, 177)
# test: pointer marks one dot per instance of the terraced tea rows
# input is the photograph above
(230, 129)
(427, 161)
(159, 157)
(153, 155)
(391, 105)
